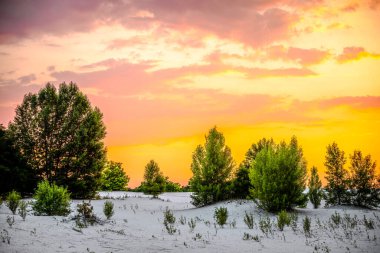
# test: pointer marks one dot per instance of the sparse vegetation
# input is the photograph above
(221, 216)
(10, 220)
(306, 224)
(22, 209)
(283, 219)
(169, 220)
(51, 200)
(192, 223)
(13, 200)
(108, 209)
(265, 226)
(85, 215)
(248, 220)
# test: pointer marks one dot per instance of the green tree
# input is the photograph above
(60, 135)
(364, 189)
(242, 183)
(113, 177)
(336, 176)
(211, 166)
(15, 173)
(172, 186)
(315, 188)
(154, 181)
(278, 177)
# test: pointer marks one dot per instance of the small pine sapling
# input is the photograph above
(22, 209)
(221, 216)
(13, 200)
(283, 219)
(108, 209)
(248, 220)
(169, 220)
(306, 226)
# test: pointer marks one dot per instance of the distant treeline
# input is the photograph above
(57, 136)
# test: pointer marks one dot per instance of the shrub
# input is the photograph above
(369, 223)
(278, 177)
(192, 223)
(306, 223)
(22, 209)
(10, 220)
(265, 226)
(336, 218)
(85, 214)
(108, 209)
(282, 220)
(13, 200)
(248, 220)
(113, 177)
(169, 221)
(221, 216)
(51, 199)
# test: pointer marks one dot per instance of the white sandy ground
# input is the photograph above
(137, 226)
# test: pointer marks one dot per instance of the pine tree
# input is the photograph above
(336, 176)
(364, 189)
(60, 136)
(278, 177)
(154, 180)
(242, 183)
(211, 166)
(114, 177)
(315, 188)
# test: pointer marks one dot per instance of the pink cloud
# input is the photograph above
(305, 57)
(354, 54)
(251, 22)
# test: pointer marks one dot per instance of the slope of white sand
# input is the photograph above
(137, 226)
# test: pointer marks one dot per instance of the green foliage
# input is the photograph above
(335, 218)
(113, 177)
(60, 135)
(241, 182)
(315, 188)
(14, 171)
(172, 186)
(51, 199)
(306, 224)
(278, 177)
(169, 220)
(336, 176)
(85, 215)
(248, 220)
(154, 181)
(265, 226)
(221, 216)
(108, 209)
(365, 190)
(13, 200)
(211, 166)
(283, 219)
(22, 209)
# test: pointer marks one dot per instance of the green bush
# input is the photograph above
(85, 215)
(22, 209)
(169, 220)
(108, 209)
(13, 200)
(306, 223)
(51, 199)
(283, 219)
(221, 216)
(278, 177)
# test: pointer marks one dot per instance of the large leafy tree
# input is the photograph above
(211, 166)
(114, 177)
(336, 176)
(364, 187)
(60, 136)
(278, 177)
(241, 182)
(154, 180)
(15, 172)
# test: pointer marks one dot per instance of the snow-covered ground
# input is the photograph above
(137, 226)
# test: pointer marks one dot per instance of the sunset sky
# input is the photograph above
(163, 72)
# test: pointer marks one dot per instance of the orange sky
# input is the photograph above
(164, 72)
